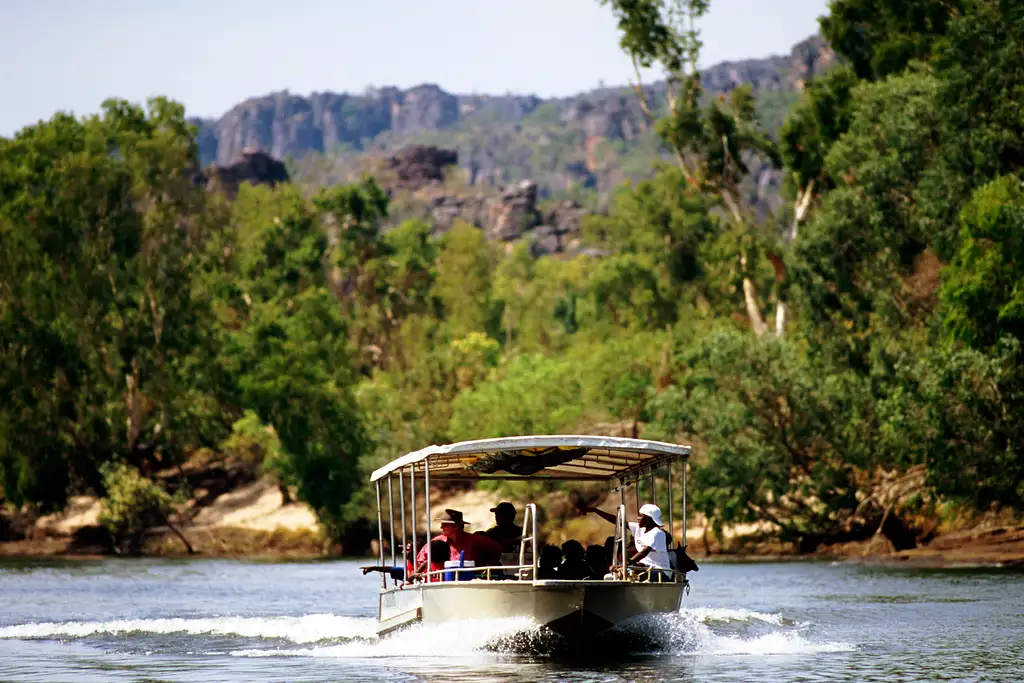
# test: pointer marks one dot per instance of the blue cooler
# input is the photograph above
(456, 564)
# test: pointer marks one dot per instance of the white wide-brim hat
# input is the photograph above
(652, 511)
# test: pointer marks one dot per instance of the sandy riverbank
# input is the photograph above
(253, 520)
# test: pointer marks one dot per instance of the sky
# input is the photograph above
(70, 55)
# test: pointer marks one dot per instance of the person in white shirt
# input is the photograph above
(649, 539)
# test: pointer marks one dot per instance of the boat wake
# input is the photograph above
(699, 631)
(311, 628)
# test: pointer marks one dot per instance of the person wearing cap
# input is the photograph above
(476, 548)
(505, 531)
(649, 538)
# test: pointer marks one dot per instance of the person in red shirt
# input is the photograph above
(477, 548)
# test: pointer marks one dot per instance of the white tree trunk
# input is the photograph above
(780, 319)
(753, 308)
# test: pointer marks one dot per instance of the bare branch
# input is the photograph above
(638, 88)
(731, 204)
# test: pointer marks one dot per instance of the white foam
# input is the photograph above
(771, 644)
(687, 632)
(305, 629)
(691, 631)
(719, 614)
(452, 639)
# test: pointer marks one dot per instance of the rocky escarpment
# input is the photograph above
(594, 140)
(512, 165)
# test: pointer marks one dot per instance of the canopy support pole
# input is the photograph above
(380, 537)
(426, 504)
(412, 493)
(401, 497)
(684, 504)
(391, 520)
(671, 521)
(654, 489)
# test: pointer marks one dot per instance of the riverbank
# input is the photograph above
(250, 520)
(254, 520)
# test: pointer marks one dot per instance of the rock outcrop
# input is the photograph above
(513, 213)
(508, 216)
(560, 230)
(418, 166)
(418, 172)
(253, 167)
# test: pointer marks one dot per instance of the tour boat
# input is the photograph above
(569, 608)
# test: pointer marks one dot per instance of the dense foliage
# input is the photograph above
(847, 365)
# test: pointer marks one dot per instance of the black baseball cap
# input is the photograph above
(504, 506)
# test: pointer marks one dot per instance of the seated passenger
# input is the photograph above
(477, 548)
(547, 563)
(598, 561)
(574, 565)
(609, 548)
(505, 531)
(648, 538)
(440, 552)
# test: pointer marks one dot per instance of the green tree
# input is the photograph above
(103, 338)
(978, 102)
(463, 285)
(862, 242)
(983, 289)
(286, 344)
(662, 223)
(786, 441)
(960, 412)
(530, 395)
(815, 123)
(713, 143)
(132, 505)
(880, 37)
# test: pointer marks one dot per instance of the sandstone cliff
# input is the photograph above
(593, 141)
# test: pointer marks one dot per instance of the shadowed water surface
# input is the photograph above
(223, 620)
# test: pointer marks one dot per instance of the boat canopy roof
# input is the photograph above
(563, 457)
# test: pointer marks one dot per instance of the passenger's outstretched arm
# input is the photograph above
(600, 513)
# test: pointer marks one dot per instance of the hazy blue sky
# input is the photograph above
(211, 54)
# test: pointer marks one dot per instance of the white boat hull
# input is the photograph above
(569, 608)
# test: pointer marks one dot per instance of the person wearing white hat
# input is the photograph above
(649, 538)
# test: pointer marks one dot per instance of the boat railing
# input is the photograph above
(527, 570)
(619, 547)
(529, 523)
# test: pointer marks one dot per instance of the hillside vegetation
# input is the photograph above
(846, 365)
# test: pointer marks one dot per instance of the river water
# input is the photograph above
(227, 620)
